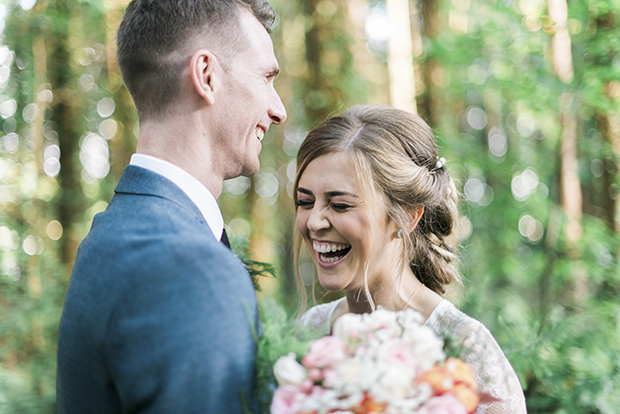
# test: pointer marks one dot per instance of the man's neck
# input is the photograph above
(174, 143)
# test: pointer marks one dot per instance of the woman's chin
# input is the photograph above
(333, 284)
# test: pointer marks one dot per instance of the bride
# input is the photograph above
(377, 209)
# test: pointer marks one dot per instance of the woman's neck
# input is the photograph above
(408, 292)
(391, 293)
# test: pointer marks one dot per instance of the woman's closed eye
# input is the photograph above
(307, 204)
(339, 207)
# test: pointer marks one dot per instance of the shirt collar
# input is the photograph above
(194, 189)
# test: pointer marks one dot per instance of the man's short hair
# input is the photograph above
(156, 37)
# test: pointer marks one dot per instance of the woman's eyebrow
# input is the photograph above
(339, 193)
(328, 194)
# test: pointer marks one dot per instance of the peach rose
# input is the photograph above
(438, 378)
(461, 372)
(467, 396)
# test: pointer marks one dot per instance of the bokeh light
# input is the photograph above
(524, 184)
(54, 230)
(94, 155)
(530, 228)
(106, 107)
(237, 186)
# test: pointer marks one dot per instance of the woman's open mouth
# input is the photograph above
(330, 253)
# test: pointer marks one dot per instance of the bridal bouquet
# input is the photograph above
(382, 362)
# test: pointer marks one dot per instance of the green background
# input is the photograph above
(536, 158)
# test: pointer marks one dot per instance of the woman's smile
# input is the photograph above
(330, 254)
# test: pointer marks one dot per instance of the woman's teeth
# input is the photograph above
(325, 259)
(260, 134)
(326, 248)
(326, 251)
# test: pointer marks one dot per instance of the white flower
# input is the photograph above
(384, 320)
(350, 370)
(394, 384)
(288, 371)
(349, 328)
(427, 347)
(410, 319)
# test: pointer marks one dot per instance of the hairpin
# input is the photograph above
(440, 163)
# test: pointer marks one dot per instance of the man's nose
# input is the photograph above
(277, 112)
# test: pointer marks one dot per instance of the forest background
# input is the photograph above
(522, 94)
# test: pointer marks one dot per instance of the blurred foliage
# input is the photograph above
(239, 244)
(281, 336)
(485, 81)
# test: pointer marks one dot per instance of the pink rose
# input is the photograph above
(283, 399)
(315, 375)
(325, 352)
(444, 404)
(397, 352)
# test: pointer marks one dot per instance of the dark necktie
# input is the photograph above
(224, 239)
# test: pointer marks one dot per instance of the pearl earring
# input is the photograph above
(400, 234)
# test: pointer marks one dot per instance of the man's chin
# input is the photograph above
(249, 171)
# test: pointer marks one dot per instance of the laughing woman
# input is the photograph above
(377, 209)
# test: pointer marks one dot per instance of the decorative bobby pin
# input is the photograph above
(440, 163)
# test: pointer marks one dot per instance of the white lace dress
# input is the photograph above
(493, 372)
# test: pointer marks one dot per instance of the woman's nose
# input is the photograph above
(318, 219)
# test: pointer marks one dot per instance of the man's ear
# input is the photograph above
(414, 217)
(202, 72)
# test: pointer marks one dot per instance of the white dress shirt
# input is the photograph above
(198, 193)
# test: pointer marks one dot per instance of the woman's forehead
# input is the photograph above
(341, 171)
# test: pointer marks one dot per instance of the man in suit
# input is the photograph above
(160, 316)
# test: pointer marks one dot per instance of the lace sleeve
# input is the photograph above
(318, 318)
(494, 374)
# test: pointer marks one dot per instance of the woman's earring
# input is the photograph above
(400, 234)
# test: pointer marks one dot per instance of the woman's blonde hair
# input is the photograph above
(396, 152)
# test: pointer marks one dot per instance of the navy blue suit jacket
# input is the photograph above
(159, 315)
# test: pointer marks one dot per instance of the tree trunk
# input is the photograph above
(71, 201)
(609, 126)
(570, 184)
(430, 102)
(400, 57)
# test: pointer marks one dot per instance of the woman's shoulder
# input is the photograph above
(492, 370)
(448, 321)
(319, 317)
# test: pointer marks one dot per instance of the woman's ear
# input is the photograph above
(203, 74)
(414, 217)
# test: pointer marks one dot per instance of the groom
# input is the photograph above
(159, 315)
